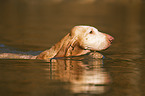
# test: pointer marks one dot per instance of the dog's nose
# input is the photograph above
(110, 38)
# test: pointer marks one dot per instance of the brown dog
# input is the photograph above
(81, 40)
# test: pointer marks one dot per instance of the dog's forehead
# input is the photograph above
(82, 29)
(85, 28)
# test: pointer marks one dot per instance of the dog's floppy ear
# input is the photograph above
(71, 47)
(60, 49)
(68, 45)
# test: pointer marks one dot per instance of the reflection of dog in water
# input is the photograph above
(84, 75)
(81, 40)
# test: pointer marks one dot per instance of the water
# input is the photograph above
(32, 26)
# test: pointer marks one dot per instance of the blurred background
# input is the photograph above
(39, 24)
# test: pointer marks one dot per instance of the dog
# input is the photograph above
(81, 40)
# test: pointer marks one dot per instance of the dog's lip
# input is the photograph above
(110, 38)
(110, 41)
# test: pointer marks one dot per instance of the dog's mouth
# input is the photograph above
(110, 39)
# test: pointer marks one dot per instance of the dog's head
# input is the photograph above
(81, 40)
(90, 38)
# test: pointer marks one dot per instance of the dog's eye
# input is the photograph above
(91, 32)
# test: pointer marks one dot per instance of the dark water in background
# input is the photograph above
(38, 24)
